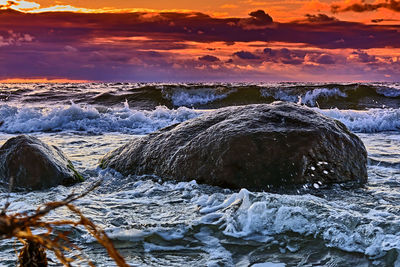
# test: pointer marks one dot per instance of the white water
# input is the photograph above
(196, 96)
(309, 98)
(155, 223)
(89, 119)
(202, 225)
(367, 121)
(85, 118)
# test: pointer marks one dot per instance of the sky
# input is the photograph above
(200, 41)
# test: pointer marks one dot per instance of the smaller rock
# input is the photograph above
(32, 164)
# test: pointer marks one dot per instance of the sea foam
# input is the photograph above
(366, 121)
(126, 120)
(89, 119)
(187, 97)
(310, 97)
(250, 215)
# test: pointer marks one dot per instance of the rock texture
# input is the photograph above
(32, 164)
(253, 146)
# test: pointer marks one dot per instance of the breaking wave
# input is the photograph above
(97, 120)
(367, 121)
(89, 119)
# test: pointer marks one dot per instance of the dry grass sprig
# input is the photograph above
(21, 225)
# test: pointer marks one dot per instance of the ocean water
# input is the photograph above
(155, 223)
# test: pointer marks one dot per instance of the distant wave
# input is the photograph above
(201, 96)
(309, 98)
(208, 95)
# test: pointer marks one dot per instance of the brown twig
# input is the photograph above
(20, 226)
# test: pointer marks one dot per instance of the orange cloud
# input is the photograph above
(283, 11)
(362, 6)
(316, 6)
(229, 6)
(34, 7)
(18, 5)
(41, 80)
(191, 46)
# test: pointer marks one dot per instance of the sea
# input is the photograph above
(154, 222)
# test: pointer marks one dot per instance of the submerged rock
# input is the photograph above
(32, 164)
(253, 146)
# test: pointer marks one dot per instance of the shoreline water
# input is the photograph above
(181, 224)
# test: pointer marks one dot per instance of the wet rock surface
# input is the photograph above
(254, 146)
(28, 163)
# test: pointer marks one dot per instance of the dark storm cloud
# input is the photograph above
(362, 56)
(245, 55)
(382, 20)
(208, 58)
(364, 7)
(284, 56)
(320, 58)
(287, 56)
(325, 59)
(153, 46)
(260, 17)
(63, 27)
(258, 20)
(320, 18)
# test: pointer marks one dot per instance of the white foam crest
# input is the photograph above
(196, 97)
(235, 198)
(309, 98)
(89, 119)
(281, 94)
(340, 225)
(127, 235)
(367, 121)
(388, 91)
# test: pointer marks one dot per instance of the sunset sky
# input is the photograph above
(209, 40)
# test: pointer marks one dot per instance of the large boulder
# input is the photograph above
(254, 146)
(32, 164)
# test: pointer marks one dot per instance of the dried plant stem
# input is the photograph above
(20, 226)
